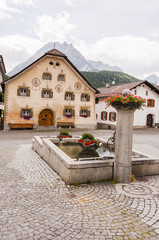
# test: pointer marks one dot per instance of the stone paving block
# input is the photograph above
(36, 204)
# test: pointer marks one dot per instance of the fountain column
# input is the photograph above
(123, 146)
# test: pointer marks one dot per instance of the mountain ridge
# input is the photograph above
(80, 62)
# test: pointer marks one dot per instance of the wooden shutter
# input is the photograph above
(88, 98)
(73, 113)
(42, 93)
(65, 95)
(50, 76)
(153, 103)
(28, 92)
(18, 92)
(21, 113)
(114, 116)
(64, 113)
(51, 94)
(102, 115)
(31, 113)
(88, 113)
(73, 96)
(80, 113)
(110, 116)
(81, 97)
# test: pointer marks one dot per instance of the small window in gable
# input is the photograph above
(47, 76)
(61, 77)
(21, 91)
(147, 93)
(85, 97)
(135, 91)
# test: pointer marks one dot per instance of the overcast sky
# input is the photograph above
(124, 33)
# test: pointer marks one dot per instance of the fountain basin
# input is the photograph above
(82, 170)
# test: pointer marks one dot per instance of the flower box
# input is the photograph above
(26, 117)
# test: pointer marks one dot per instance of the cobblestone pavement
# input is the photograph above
(36, 204)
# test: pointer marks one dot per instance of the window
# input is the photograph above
(97, 100)
(26, 113)
(112, 116)
(84, 113)
(85, 97)
(23, 92)
(46, 93)
(146, 93)
(150, 102)
(51, 63)
(135, 92)
(57, 64)
(61, 77)
(104, 115)
(47, 76)
(69, 112)
(69, 96)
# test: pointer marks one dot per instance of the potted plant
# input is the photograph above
(128, 101)
(87, 142)
(64, 134)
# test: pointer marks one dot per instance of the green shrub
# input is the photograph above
(64, 133)
(87, 136)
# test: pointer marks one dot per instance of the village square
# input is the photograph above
(48, 195)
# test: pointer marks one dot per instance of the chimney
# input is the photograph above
(107, 85)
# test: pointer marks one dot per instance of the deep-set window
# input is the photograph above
(112, 116)
(46, 93)
(97, 100)
(84, 113)
(104, 115)
(69, 112)
(61, 77)
(23, 92)
(26, 113)
(150, 102)
(85, 97)
(69, 96)
(47, 76)
(147, 93)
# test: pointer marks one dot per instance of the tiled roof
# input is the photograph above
(56, 52)
(107, 91)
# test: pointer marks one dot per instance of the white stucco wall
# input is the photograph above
(140, 116)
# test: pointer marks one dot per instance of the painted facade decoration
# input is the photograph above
(149, 117)
(49, 92)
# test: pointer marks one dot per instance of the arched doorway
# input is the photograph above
(149, 121)
(46, 118)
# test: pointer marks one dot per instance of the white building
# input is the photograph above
(149, 117)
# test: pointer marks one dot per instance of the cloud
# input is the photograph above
(23, 2)
(17, 48)
(54, 29)
(135, 55)
(5, 11)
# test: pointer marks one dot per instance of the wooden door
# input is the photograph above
(46, 118)
(149, 120)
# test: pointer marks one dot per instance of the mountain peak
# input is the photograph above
(72, 53)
